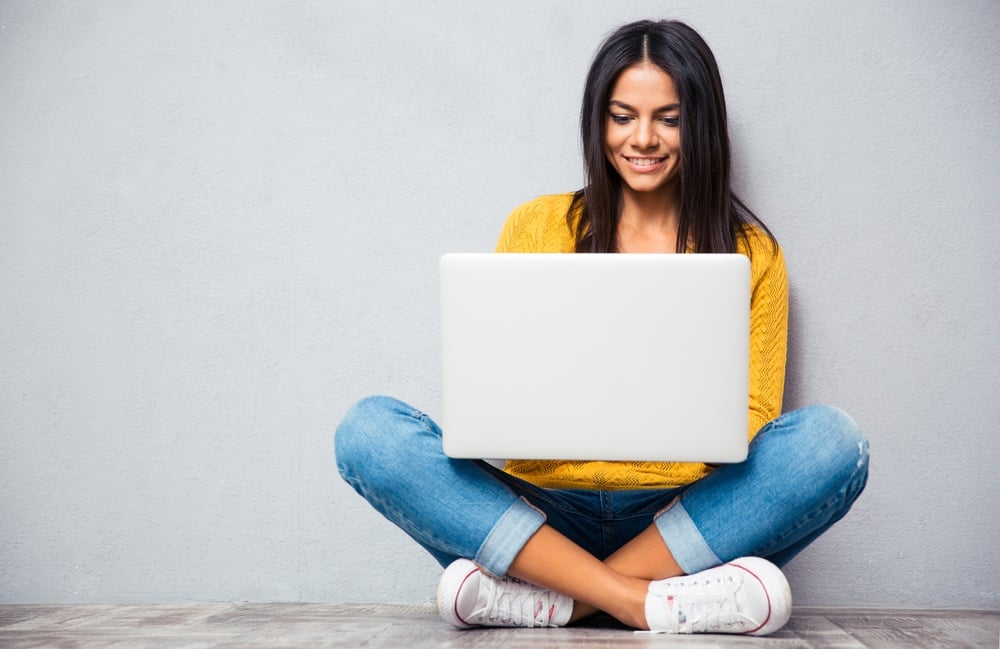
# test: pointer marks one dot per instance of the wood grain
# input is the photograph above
(388, 626)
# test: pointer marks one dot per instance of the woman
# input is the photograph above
(673, 547)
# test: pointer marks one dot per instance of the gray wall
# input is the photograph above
(219, 224)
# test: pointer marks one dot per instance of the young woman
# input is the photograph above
(674, 547)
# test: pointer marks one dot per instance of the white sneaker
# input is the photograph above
(468, 597)
(747, 595)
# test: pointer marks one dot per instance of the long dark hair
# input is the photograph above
(711, 216)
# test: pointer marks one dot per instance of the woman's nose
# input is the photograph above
(645, 134)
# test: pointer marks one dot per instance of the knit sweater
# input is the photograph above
(540, 226)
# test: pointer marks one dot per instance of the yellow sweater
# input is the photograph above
(540, 226)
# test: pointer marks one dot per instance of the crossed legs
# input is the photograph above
(804, 471)
(616, 586)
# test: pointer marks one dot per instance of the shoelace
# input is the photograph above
(518, 603)
(705, 605)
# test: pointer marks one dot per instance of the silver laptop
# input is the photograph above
(638, 357)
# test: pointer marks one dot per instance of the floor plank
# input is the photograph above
(385, 626)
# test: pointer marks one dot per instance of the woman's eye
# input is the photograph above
(621, 119)
(670, 121)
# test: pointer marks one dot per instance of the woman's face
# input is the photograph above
(642, 139)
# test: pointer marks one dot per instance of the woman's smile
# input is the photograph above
(645, 165)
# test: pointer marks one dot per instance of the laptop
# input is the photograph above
(629, 357)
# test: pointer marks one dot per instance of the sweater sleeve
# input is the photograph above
(768, 331)
(538, 226)
(519, 231)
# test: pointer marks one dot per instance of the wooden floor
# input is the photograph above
(385, 626)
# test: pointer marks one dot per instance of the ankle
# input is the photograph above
(631, 603)
(581, 611)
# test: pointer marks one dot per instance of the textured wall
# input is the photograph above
(219, 224)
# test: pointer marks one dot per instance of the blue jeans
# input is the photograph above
(803, 472)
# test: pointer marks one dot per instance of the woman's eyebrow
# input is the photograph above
(661, 109)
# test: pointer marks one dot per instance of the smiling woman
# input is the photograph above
(670, 72)
(679, 547)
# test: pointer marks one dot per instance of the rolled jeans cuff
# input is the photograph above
(508, 536)
(685, 542)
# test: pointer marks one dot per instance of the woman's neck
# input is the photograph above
(648, 222)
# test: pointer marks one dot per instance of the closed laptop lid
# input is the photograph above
(638, 357)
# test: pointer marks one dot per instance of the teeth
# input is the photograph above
(645, 162)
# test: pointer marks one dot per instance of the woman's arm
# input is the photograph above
(538, 226)
(768, 330)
